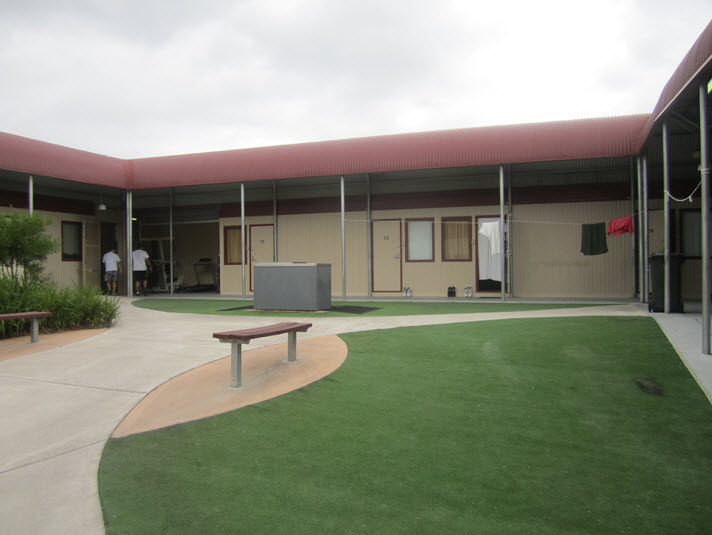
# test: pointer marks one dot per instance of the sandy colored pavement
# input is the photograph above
(205, 391)
(11, 348)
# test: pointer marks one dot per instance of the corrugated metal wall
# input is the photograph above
(547, 260)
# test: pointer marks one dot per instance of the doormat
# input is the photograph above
(351, 309)
(347, 309)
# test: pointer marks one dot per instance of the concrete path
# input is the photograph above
(59, 406)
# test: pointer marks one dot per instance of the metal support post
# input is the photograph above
(369, 235)
(646, 233)
(274, 221)
(170, 236)
(666, 206)
(129, 243)
(31, 195)
(292, 346)
(641, 284)
(503, 256)
(705, 177)
(242, 237)
(343, 239)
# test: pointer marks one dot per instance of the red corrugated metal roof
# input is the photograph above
(564, 140)
(30, 156)
(695, 60)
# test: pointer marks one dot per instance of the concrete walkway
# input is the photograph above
(60, 405)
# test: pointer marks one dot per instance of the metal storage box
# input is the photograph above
(292, 286)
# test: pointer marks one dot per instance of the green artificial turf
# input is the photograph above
(514, 426)
(230, 307)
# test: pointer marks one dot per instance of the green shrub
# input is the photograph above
(24, 245)
(83, 307)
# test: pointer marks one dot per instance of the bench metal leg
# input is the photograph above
(236, 365)
(291, 346)
(34, 331)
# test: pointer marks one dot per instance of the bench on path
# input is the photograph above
(34, 316)
(237, 338)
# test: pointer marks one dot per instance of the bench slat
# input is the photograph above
(246, 335)
(24, 316)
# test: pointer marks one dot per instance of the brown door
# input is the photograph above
(261, 247)
(387, 266)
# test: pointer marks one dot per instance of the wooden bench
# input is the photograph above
(237, 338)
(34, 316)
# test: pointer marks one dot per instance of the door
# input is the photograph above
(91, 273)
(261, 247)
(489, 255)
(386, 247)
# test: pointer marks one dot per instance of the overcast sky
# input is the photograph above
(135, 78)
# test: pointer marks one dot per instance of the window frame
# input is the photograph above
(226, 229)
(456, 219)
(80, 228)
(431, 220)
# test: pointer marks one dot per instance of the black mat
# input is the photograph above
(346, 309)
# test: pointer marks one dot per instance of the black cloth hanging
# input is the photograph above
(593, 239)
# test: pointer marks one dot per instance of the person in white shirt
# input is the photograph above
(112, 265)
(141, 265)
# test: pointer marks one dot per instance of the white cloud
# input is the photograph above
(135, 79)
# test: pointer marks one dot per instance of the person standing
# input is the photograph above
(141, 265)
(112, 268)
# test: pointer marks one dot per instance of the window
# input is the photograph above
(419, 240)
(233, 245)
(691, 239)
(456, 239)
(71, 241)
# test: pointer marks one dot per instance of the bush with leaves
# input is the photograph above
(24, 245)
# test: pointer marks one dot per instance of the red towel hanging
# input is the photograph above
(622, 225)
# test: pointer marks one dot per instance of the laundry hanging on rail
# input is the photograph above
(491, 231)
(593, 239)
(622, 225)
(489, 251)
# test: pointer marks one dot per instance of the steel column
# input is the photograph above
(343, 239)
(705, 176)
(129, 243)
(641, 288)
(170, 236)
(646, 232)
(274, 220)
(666, 207)
(503, 259)
(369, 235)
(31, 195)
(242, 232)
(510, 271)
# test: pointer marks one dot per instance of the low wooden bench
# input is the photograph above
(34, 316)
(237, 338)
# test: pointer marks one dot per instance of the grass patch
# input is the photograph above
(412, 308)
(514, 426)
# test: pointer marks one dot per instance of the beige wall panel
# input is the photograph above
(356, 257)
(547, 258)
(313, 238)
